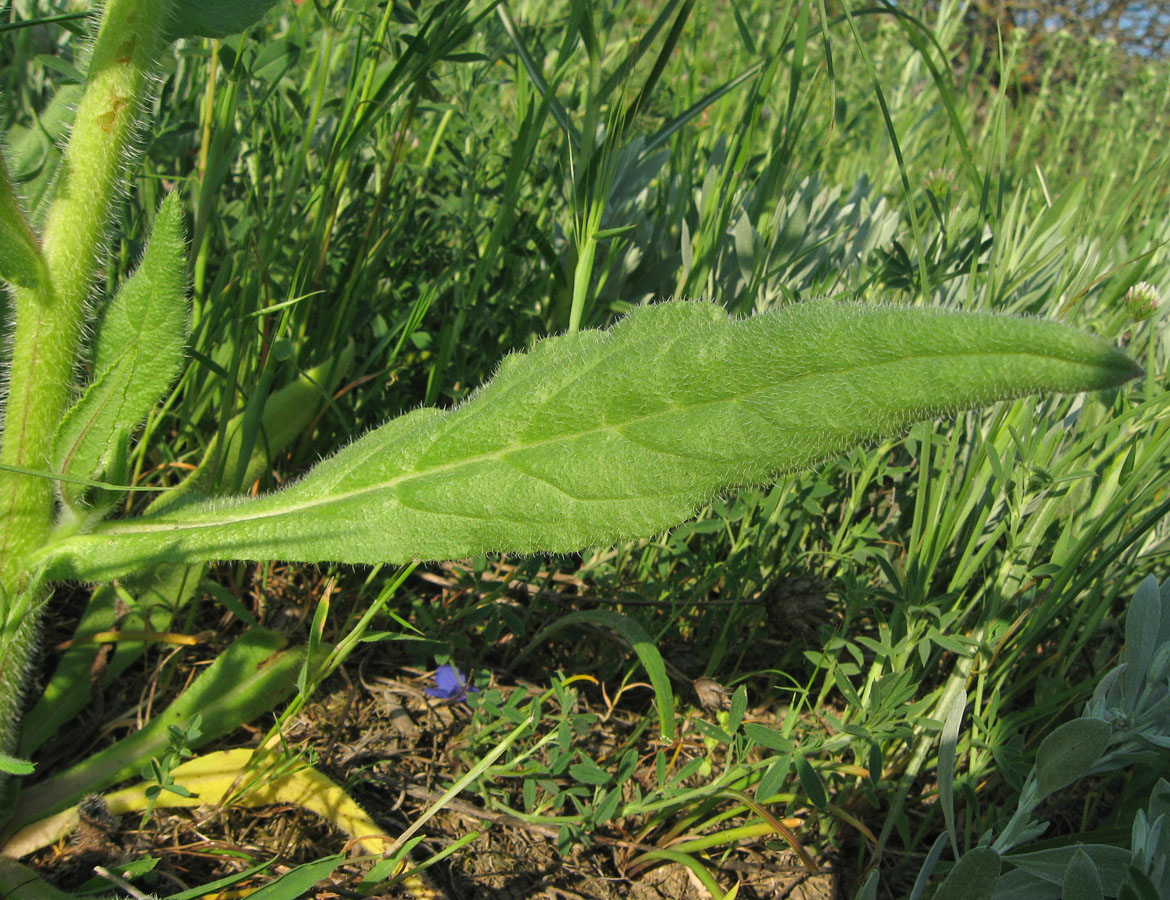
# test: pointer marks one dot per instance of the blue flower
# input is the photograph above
(450, 685)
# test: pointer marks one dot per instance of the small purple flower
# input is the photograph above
(450, 685)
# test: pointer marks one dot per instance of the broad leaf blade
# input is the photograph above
(216, 18)
(138, 354)
(1068, 752)
(972, 878)
(597, 437)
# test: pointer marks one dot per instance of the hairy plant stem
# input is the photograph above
(49, 318)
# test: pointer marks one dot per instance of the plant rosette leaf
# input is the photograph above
(603, 436)
(138, 354)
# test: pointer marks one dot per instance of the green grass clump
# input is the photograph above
(423, 188)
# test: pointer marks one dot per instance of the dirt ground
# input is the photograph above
(373, 729)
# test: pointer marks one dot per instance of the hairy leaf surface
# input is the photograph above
(138, 354)
(603, 436)
(20, 255)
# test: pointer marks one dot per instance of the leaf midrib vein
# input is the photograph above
(230, 516)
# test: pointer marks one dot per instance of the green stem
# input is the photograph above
(49, 317)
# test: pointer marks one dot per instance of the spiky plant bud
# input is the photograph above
(1142, 300)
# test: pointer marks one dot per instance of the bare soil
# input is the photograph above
(373, 729)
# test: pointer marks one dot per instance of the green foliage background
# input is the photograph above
(430, 186)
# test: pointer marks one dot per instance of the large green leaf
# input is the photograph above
(216, 18)
(138, 354)
(602, 436)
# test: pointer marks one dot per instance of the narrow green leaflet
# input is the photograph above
(15, 766)
(642, 644)
(138, 354)
(299, 882)
(602, 436)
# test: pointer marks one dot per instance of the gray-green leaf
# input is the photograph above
(1052, 865)
(1142, 625)
(1082, 881)
(603, 436)
(972, 878)
(138, 354)
(1069, 752)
